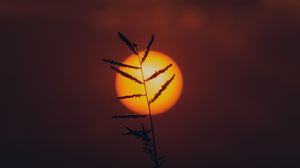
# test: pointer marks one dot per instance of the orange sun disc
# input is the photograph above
(154, 62)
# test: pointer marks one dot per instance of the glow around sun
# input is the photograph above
(154, 62)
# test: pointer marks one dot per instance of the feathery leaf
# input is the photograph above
(119, 64)
(156, 73)
(148, 48)
(132, 46)
(163, 87)
(137, 133)
(128, 116)
(143, 136)
(126, 75)
(130, 96)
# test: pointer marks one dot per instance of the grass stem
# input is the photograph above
(150, 113)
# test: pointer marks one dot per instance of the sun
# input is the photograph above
(155, 61)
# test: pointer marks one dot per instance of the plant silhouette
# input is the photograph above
(146, 136)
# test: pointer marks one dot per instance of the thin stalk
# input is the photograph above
(149, 110)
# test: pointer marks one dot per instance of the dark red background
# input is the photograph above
(240, 63)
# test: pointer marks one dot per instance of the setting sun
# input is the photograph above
(154, 62)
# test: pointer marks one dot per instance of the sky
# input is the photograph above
(240, 101)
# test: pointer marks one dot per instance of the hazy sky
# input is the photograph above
(239, 59)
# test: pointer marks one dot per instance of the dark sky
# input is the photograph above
(240, 101)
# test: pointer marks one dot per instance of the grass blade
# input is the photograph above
(158, 73)
(119, 64)
(129, 116)
(163, 87)
(130, 96)
(140, 134)
(130, 45)
(148, 48)
(126, 75)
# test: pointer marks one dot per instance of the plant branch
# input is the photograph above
(156, 164)
(119, 64)
(130, 96)
(156, 73)
(128, 116)
(163, 88)
(126, 75)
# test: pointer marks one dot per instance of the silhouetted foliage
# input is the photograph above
(146, 136)
(126, 75)
(132, 46)
(143, 135)
(156, 73)
(148, 48)
(130, 96)
(119, 64)
(128, 116)
(163, 88)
